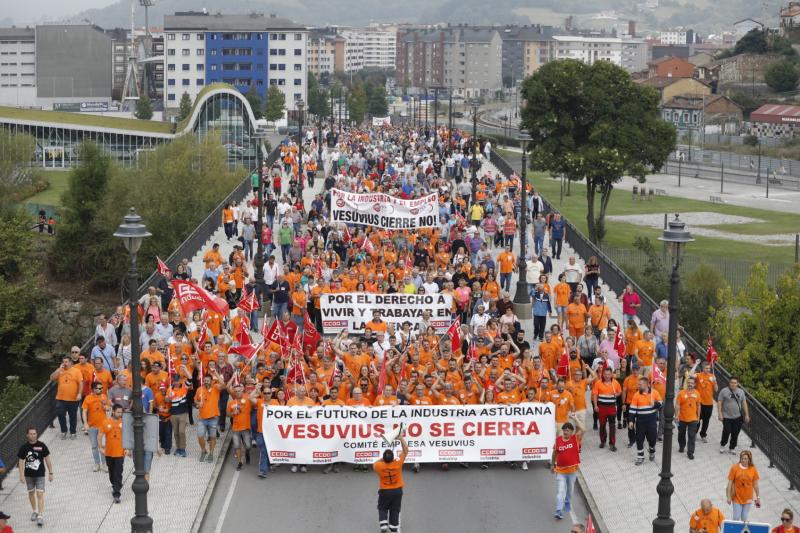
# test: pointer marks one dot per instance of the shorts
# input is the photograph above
(242, 439)
(35, 483)
(561, 309)
(207, 428)
(148, 461)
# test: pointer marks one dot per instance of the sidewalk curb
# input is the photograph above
(597, 517)
(212, 482)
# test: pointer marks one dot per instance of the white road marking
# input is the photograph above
(228, 498)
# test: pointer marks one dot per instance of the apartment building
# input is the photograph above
(525, 49)
(678, 36)
(242, 50)
(630, 54)
(321, 52)
(464, 59)
(18, 67)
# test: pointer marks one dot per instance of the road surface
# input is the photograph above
(467, 501)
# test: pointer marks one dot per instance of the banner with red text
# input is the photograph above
(352, 311)
(383, 211)
(435, 434)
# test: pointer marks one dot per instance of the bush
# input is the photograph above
(13, 398)
(782, 76)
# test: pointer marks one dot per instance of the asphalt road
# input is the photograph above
(467, 501)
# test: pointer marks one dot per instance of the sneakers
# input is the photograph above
(415, 468)
(209, 457)
(558, 515)
(680, 450)
(40, 520)
(262, 475)
(703, 439)
(303, 469)
(293, 469)
(612, 447)
(335, 469)
(602, 444)
(96, 468)
(238, 466)
(104, 467)
(652, 457)
(63, 436)
(630, 444)
(484, 466)
(116, 499)
(639, 461)
(722, 449)
(34, 516)
(327, 469)
(731, 452)
(512, 465)
(690, 455)
(202, 457)
(525, 465)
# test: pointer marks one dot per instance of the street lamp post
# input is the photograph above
(475, 143)
(435, 113)
(258, 260)
(133, 232)
(680, 161)
(300, 105)
(522, 298)
(319, 150)
(450, 122)
(675, 236)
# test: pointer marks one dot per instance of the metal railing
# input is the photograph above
(40, 411)
(765, 431)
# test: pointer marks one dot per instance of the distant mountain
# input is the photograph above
(702, 15)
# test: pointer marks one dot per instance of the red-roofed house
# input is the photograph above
(670, 67)
(775, 120)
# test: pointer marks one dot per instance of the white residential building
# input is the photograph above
(17, 67)
(185, 65)
(678, 36)
(630, 54)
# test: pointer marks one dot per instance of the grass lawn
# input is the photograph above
(59, 179)
(621, 234)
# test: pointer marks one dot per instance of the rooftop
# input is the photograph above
(659, 82)
(695, 101)
(17, 33)
(57, 118)
(778, 110)
(459, 34)
(220, 22)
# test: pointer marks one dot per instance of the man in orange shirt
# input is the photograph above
(207, 402)
(706, 385)
(507, 262)
(687, 411)
(576, 317)
(68, 395)
(110, 445)
(95, 406)
(707, 519)
(564, 402)
(390, 492)
(604, 399)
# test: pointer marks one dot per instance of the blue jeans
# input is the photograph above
(741, 511)
(565, 484)
(248, 250)
(505, 282)
(278, 309)
(285, 253)
(96, 456)
(263, 456)
(254, 321)
(538, 244)
(165, 435)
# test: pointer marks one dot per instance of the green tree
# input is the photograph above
(255, 102)
(757, 339)
(753, 42)
(357, 103)
(185, 106)
(13, 398)
(16, 152)
(377, 106)
(782, 75)
(82, 199)
(318, 103)
(276, 103)
(144, 108)
(591, 122)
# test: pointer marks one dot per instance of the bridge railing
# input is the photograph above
(765, 431)
(40, 411)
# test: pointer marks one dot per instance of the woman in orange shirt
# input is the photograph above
(228, 221)
(742, 484)
(491, 289)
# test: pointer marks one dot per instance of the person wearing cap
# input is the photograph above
(389, 470)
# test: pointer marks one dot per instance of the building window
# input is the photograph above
(298, 81)
(281, 67)
(171, 97)
(170, 36)
(200, 52)
(171, 67)
(298, 67)
(298, 51)
(201, 82)
(260, 83)
(273, 82)
(297, 96)
(171, 52)
(213, 67)
(185, 67)
(213, 51)
(260, 36)
(298, 36)
(281, 82)
(170, 82)
(273, 66)
(185, 82)
(185, 36)
(201, 37)
(200, 67)
(185, 52)
(213, 36)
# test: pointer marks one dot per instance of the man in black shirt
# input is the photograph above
(33, 456)
(165, 290)
(280, 296)
(520, 342)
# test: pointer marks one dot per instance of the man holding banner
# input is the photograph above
(390, 492)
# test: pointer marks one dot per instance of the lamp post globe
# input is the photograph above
(676, 237)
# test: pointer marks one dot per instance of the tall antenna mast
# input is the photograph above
(130, 91)
(146, 4)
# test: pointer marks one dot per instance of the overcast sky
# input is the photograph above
(52, 9)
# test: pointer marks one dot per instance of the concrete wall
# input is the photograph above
(73, 62)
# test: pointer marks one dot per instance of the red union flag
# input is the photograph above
(276, 334)
(563, 364)
(454, 332)
(192, 297)
(590, 526)
(248, 303)
(619, 342)
(310, 334)
(711, 353)
(162, 267)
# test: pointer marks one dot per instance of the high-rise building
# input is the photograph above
(525, 49)
(630, 54)
(321, 52)
(679, 36)
(242, 50)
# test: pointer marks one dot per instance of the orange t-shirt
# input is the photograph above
(239, 410)
(743, 479)
(564, 404)
(710, 522)
(96, 406)
(689, 402)
(69, 385)
(704, 383)
(208, 400)
(112, 429)
(294, 400)
(562, 291)
(506, 260)
(390, 474)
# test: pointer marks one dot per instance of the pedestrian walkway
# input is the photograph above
(625, 494)
(79, 500)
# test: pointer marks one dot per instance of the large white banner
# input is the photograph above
(435, 434)
(383, 211)
(381, 121)
(352, 311)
